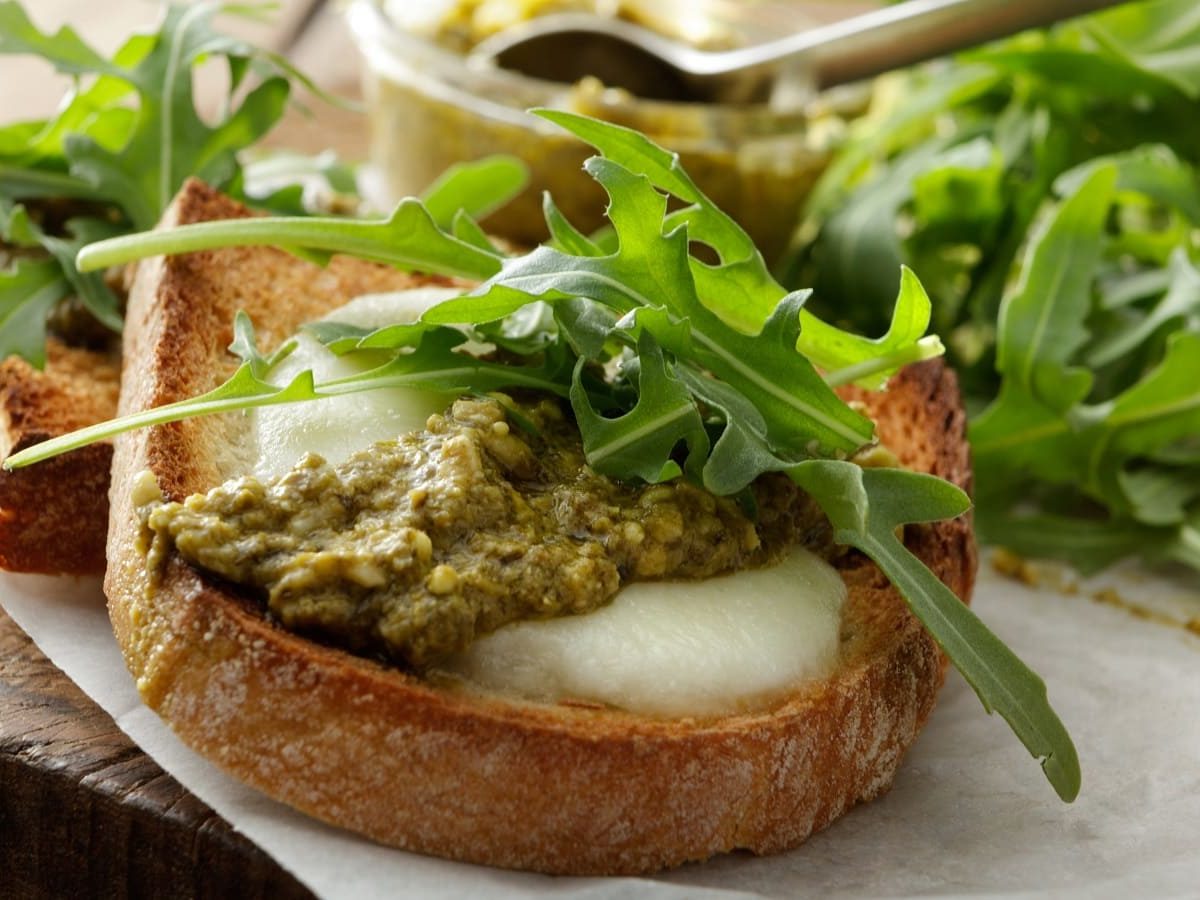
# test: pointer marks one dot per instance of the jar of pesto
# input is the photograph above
(428, 109)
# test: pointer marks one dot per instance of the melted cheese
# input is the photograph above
(338, 426)
(676, 648)
(660, 648)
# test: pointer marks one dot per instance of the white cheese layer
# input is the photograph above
(676, 648)
(338, 426)
(660, 648)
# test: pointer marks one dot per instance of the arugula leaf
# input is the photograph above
(1159, 495)
(866, 506)
(16, 229)
(245, 347)
(64, 49)
(22, 184)
(476, 188)
(564, 236)
(640, 443)
(740, 290)
(91, 289)
(167, 140)
(434, 363)
(1162, 37)
(743, 449)
(1041, 321)
(869, 362)
(804, 416)
(98, 108)
(1088, 543)
(1173, 298)
(650, 272)
(1159, 410)
(408, 238)
(29, 289)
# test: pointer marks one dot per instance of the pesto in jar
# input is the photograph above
(429, 109)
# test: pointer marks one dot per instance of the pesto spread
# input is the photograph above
(414, 547)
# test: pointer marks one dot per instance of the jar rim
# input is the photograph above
(503, 95)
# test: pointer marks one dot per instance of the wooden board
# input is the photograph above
(83, 812)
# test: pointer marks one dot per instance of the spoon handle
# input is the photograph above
(896, 36)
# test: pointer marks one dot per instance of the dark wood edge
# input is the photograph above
(84, 812)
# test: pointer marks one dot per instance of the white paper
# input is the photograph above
(969, 815)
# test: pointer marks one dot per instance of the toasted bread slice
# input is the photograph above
(465, 775)
(54, 517)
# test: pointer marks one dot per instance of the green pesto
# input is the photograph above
(412, 548)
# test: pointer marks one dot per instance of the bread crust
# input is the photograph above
(54, 516)
(552, 788)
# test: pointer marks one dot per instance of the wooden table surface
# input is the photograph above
(83, 811)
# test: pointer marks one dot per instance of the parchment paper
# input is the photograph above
(970, 813)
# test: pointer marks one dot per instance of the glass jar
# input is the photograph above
(428, 110)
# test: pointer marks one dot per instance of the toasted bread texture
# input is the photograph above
(466, 775)
(54, 517)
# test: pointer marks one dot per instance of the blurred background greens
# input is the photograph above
(1044, 189)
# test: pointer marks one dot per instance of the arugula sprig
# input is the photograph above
(41, 273)
(748, 291)
(407, 239)
(432, 363)
(866, 507)
(29, 290)
(121, 144)
(713, 372)
(133, 136)
(648, 283)
(1097, 418)
(128, 135)
(1099, 385)
(29, 286)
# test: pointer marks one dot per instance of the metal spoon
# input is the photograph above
(568, 46)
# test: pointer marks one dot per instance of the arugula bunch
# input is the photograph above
(118, 148)
(714, 371)
(1046, 190)
(1100, 398)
